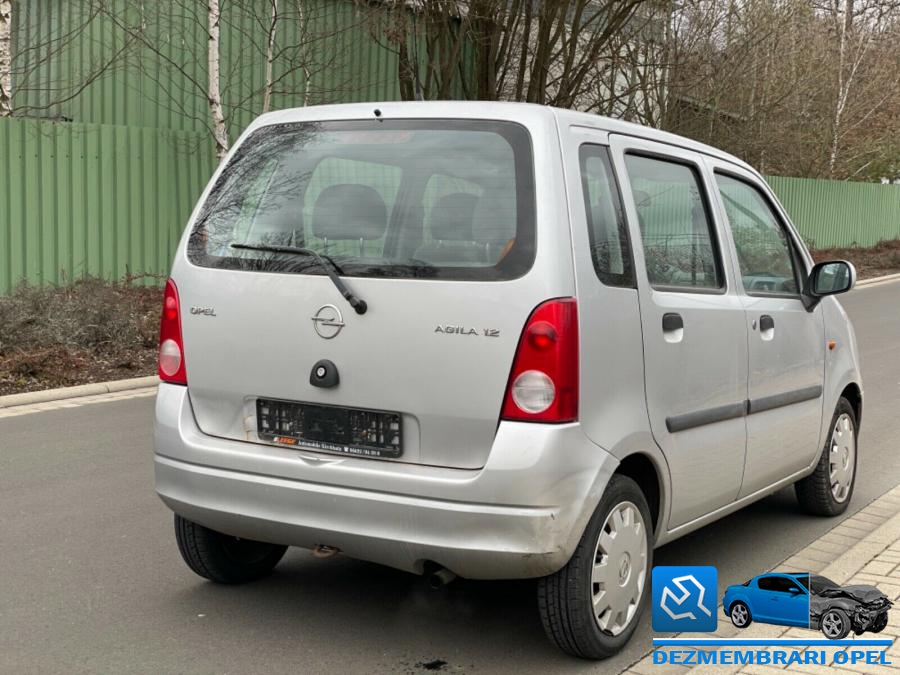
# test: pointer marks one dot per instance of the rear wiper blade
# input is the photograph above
(331, 269)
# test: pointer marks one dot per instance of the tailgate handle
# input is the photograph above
(324, 374)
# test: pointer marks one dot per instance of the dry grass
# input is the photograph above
(91, 331)
(870, 262)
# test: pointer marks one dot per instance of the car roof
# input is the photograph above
(497, 110)
(794, 575)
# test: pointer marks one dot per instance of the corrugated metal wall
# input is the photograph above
(103, 200)
(836, 213)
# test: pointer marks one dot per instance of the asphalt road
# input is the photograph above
(91, 581)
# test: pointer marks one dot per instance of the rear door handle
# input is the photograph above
(766, 322)
(672, 322)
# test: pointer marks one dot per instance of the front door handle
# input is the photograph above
(766, 322)
(673, 327)
(672, 322)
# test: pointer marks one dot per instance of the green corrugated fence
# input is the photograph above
(105, 200)
(832, 213)
(78, 199)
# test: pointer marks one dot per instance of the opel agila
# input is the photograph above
(498, 341)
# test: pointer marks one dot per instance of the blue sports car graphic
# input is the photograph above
(807, 601)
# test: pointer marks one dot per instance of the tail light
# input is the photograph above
(543, 384)
(171, 345)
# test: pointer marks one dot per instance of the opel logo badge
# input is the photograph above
(328, 321)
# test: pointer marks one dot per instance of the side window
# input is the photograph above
(607, 228)
(784, 585)
(677, 232)
(768, 583)
(762, 245)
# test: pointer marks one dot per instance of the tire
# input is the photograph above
(816, 493)
(835, 624)
(223, 558)
(565, 599)
(744, 618)
(880, 623)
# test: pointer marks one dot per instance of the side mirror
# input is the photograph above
(831, 278)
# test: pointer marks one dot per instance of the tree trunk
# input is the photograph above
(270, 57)
(5, 58)
(304, 66)
(844, 82)
(220, 131)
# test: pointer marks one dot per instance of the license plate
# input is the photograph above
(351, 431)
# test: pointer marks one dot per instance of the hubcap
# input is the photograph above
(832, 625)
(739, 614)
(842, 458)
(620, 568)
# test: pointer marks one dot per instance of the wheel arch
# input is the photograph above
(744, 599)
(641, 468)
(853, 394)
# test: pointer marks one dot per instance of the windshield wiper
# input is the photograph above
(331, 269)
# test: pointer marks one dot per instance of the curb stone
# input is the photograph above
(878, 280)
(94, 389)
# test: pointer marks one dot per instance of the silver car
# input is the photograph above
(496, 341)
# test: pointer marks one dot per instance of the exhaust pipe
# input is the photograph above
(322, 551)
(441, 578)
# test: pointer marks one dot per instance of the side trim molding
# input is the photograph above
(731, 411)
(787, 398)
(708, 416)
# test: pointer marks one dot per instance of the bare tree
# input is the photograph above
(5, 58)
(858, 26)
(520, 50)
(31, 62)
(270, 56)
(240, 39)
(795, 87)
(214, 95)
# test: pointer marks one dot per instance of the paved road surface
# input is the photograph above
(92, 581)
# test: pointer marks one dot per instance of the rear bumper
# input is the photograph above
(519, 516)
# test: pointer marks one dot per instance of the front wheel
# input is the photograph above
(880, 623)
(828, 489)
(591, 606)
(223, 558)
(835, 624)
(740, 615)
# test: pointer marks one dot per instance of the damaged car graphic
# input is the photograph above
(808, 601)
(836, 610)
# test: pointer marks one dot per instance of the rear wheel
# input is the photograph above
(828, 489)
(740, 615)
(835, 624)
(591, 606)
(223, 558)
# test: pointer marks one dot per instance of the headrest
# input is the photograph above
(495, 215)
(452, 217)
(349, 211)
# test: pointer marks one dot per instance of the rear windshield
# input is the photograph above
(446, 199)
